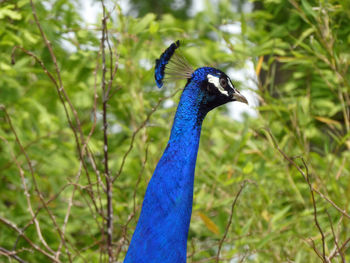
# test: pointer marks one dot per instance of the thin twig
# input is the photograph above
(36, 187)
(70, 204)
(312, 244)
(105, 133)
(335, 239)
(315, 211)
(307, 178)
(341, 249)
(36, 247)
(26, 191)
(52, 78)
(38, 209)
(63, 96)
(12, 254)
(230, 220)
(342, 211)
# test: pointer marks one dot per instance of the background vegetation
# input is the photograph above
(270, 188)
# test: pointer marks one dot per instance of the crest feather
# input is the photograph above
(172, 66)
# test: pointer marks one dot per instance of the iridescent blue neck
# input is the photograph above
(189, 116)
(162, 229)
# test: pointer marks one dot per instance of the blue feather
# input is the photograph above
(163, 61)
(171, 66)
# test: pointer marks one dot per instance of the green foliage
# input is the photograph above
(300, 50)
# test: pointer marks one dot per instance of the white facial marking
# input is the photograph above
(229, 83)
(216, 81)
(232, 87)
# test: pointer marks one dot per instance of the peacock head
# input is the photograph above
(216, 87)
(213, 87)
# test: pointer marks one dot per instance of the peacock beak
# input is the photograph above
(239, 97)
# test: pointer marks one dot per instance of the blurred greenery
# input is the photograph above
(301, 54)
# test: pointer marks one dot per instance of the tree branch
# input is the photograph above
(230, 219)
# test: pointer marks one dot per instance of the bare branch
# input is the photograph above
(230, 219)
(12, 254)
(307, 179)
(36, 188)
(105, 97)
(70, 203)
(26, 192)
(335, 239)
(342, 211)
(312, 244)
(63, 96)
(37, 248)
(340, 250)
(315, 211)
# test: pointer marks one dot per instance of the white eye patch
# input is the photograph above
(229, 83)
(216, 81)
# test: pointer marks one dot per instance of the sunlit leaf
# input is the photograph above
(209, 223)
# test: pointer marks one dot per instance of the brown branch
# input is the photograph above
(230, 220)
(26, 192)
(63, 96)
(341, 249)
(105, 91)
(92, 160)
(66, 218)
(315, 210)
(312, 244)
(12, 254)
(307, 178)
(108, 94)
(36, 247)
(36, 187)
(342, 211)
(335, 239)
(38, 209)
(52, 78)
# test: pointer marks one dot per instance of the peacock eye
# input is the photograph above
(223, 82)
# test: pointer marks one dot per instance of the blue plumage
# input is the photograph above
(163, 61)
(162, 229)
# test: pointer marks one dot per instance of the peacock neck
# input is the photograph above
(162, 229)
(188, 118)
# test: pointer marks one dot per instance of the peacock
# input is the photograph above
(161, 232)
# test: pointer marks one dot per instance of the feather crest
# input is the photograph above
(172, 66)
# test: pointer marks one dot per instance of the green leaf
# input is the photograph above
(307, 8)
(10, 14)
(248, 168)
(142, 24)
(304, 35)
